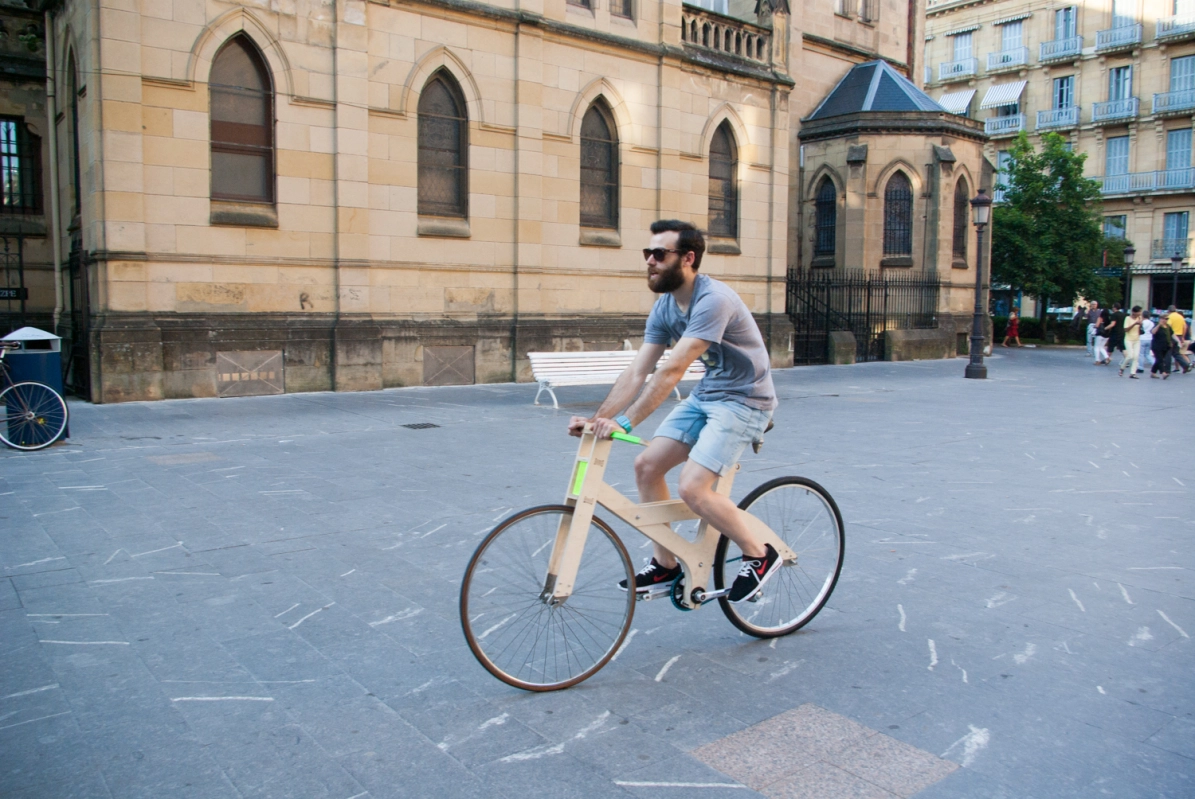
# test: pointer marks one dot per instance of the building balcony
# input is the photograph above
(724, 36)
(1123, 38)
(1165, 249)
(1058, 118)
(1174, 102)
(1172, 29)
(1059, 49)
(1141, 182)
(1004, 126)
(1114, 111)
(955, 70)
(1008, 59)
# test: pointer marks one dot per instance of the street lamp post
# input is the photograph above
(981, 210)
(1129, 252)
(1176, 261)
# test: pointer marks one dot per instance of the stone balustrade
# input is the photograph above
(706, 30)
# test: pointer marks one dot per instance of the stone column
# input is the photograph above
(357, 341)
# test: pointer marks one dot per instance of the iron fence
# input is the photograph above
(867, 304)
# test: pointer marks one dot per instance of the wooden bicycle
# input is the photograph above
(541, 604)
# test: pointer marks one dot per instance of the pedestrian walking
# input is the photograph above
(1178, 336)
(1147, 337)
(1132, 343)
(1013, 330)
(1093, 321)
(1114, 331)
(1161, 350)
(1103, 320)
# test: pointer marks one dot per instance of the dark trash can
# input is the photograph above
(39, 358)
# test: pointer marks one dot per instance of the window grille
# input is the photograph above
(20, 168)
(621, 8)
(443, 149)
(599, 169)
(242, 124)
(724, 201)
(898, 216)
(962, 205)
(826, 216)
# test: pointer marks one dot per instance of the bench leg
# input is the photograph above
(545, 387)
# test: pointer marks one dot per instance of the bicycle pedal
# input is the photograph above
(655, 592)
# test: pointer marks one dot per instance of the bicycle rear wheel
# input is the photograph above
(806, 518)
(34, 414)
(526, 642)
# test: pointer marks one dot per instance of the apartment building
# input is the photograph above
(1116, 78)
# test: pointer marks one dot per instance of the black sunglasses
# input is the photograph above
(659, 253)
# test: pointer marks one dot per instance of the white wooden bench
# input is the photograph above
(555, 369)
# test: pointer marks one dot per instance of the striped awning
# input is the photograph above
(1003, 94)
(1013, 18)
(957, 102)
(963, 29)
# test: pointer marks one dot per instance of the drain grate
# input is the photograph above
(420, 426)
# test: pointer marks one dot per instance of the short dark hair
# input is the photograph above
(1136, 309)
(689, 240)
(1116, 306)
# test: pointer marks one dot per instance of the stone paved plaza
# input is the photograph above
(257, 597)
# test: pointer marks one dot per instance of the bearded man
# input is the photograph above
(728, 409)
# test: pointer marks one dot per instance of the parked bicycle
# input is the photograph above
(35, 415)
(541, 604)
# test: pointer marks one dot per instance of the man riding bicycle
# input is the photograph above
(728, 409)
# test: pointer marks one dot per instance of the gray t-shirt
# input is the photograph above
(737, 366)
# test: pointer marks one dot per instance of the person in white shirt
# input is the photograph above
(1147, 337)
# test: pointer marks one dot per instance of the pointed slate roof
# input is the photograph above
(874, 86)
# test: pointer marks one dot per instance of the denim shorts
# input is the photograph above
(716, 432)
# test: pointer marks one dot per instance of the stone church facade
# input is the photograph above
(295, 196)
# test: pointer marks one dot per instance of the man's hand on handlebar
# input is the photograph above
(602, 428)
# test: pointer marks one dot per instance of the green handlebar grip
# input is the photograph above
(629, 439)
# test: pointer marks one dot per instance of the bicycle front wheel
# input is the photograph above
(806, 518)
(525, 641)
(35, 416)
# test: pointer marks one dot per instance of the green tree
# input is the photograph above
(1047, 237)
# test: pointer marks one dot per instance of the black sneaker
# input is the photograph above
(653, 577)
(753, 573)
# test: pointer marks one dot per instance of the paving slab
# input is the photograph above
(258, 597)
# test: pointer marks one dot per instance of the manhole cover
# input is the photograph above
(420, 426)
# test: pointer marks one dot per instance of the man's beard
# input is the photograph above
(667, 280)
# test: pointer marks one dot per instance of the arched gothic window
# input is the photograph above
(443, 148)
(826, 219)
(962, 204)
(898, 216)
(599, 168)
(724, 195)
(242, 124)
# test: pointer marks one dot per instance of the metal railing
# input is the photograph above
(951, 70)
(1175, 27)
(1115, 38)
(1168, 248)
(998, 195)
(1058, 118)
(1006, 59)
(1172, 102)
(1160, 180)
(865, 303)
(1115, 109)
(1061, 48)
(1004, 126)
(705, 30)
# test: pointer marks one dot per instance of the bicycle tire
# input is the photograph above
(806, 517)
(34, 416)
(526, 642)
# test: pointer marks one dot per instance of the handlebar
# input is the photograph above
(628, 438)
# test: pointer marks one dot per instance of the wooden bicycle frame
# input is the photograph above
(587, 489)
